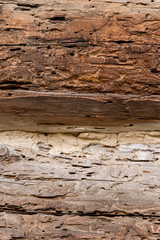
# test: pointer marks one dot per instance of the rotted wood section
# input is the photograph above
(80, 63)
(84, 46)
(84, 186)
(26, 110)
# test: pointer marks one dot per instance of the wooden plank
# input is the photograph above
(78, 193)
(91, 21)
(26, 108)
(79, 63)
(38, 226)
(49, 183)
(112, 68)
(89, 46)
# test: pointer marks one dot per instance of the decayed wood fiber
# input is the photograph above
(83, 185)
(79, 186)
(86, 46)
(39, 111)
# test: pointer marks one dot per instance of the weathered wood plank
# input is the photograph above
(25, 108)
(81, 176)
(93, 21)
(67, 55)
(84, 46)
(40, 226)
(113, 68)
(83, 186)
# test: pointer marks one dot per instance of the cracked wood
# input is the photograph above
(83, 185)
(27, 109)
(83, 46)
(63, 186)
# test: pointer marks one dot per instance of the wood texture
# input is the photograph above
(79, 63)
(25, 108)
(89, 186)
(84, 46)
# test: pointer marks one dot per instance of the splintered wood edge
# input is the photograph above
(43, 111)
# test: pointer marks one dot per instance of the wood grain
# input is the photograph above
(38, 226)
(78, 193)
(79, 63)
(21, 109)
(83, 46)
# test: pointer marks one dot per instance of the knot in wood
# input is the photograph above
(3, 150)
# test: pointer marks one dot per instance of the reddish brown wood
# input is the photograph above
(84, 46)
(79, 63)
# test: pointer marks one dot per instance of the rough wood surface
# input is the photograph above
(85, 46)
(23, 110)
(67, 47)
(74, 62)
(83, 186)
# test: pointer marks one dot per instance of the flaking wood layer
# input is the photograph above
(84, 46)
(80, 186)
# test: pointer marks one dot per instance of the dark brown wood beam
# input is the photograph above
(45, 108)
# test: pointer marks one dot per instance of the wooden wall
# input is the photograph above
(93, 63)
